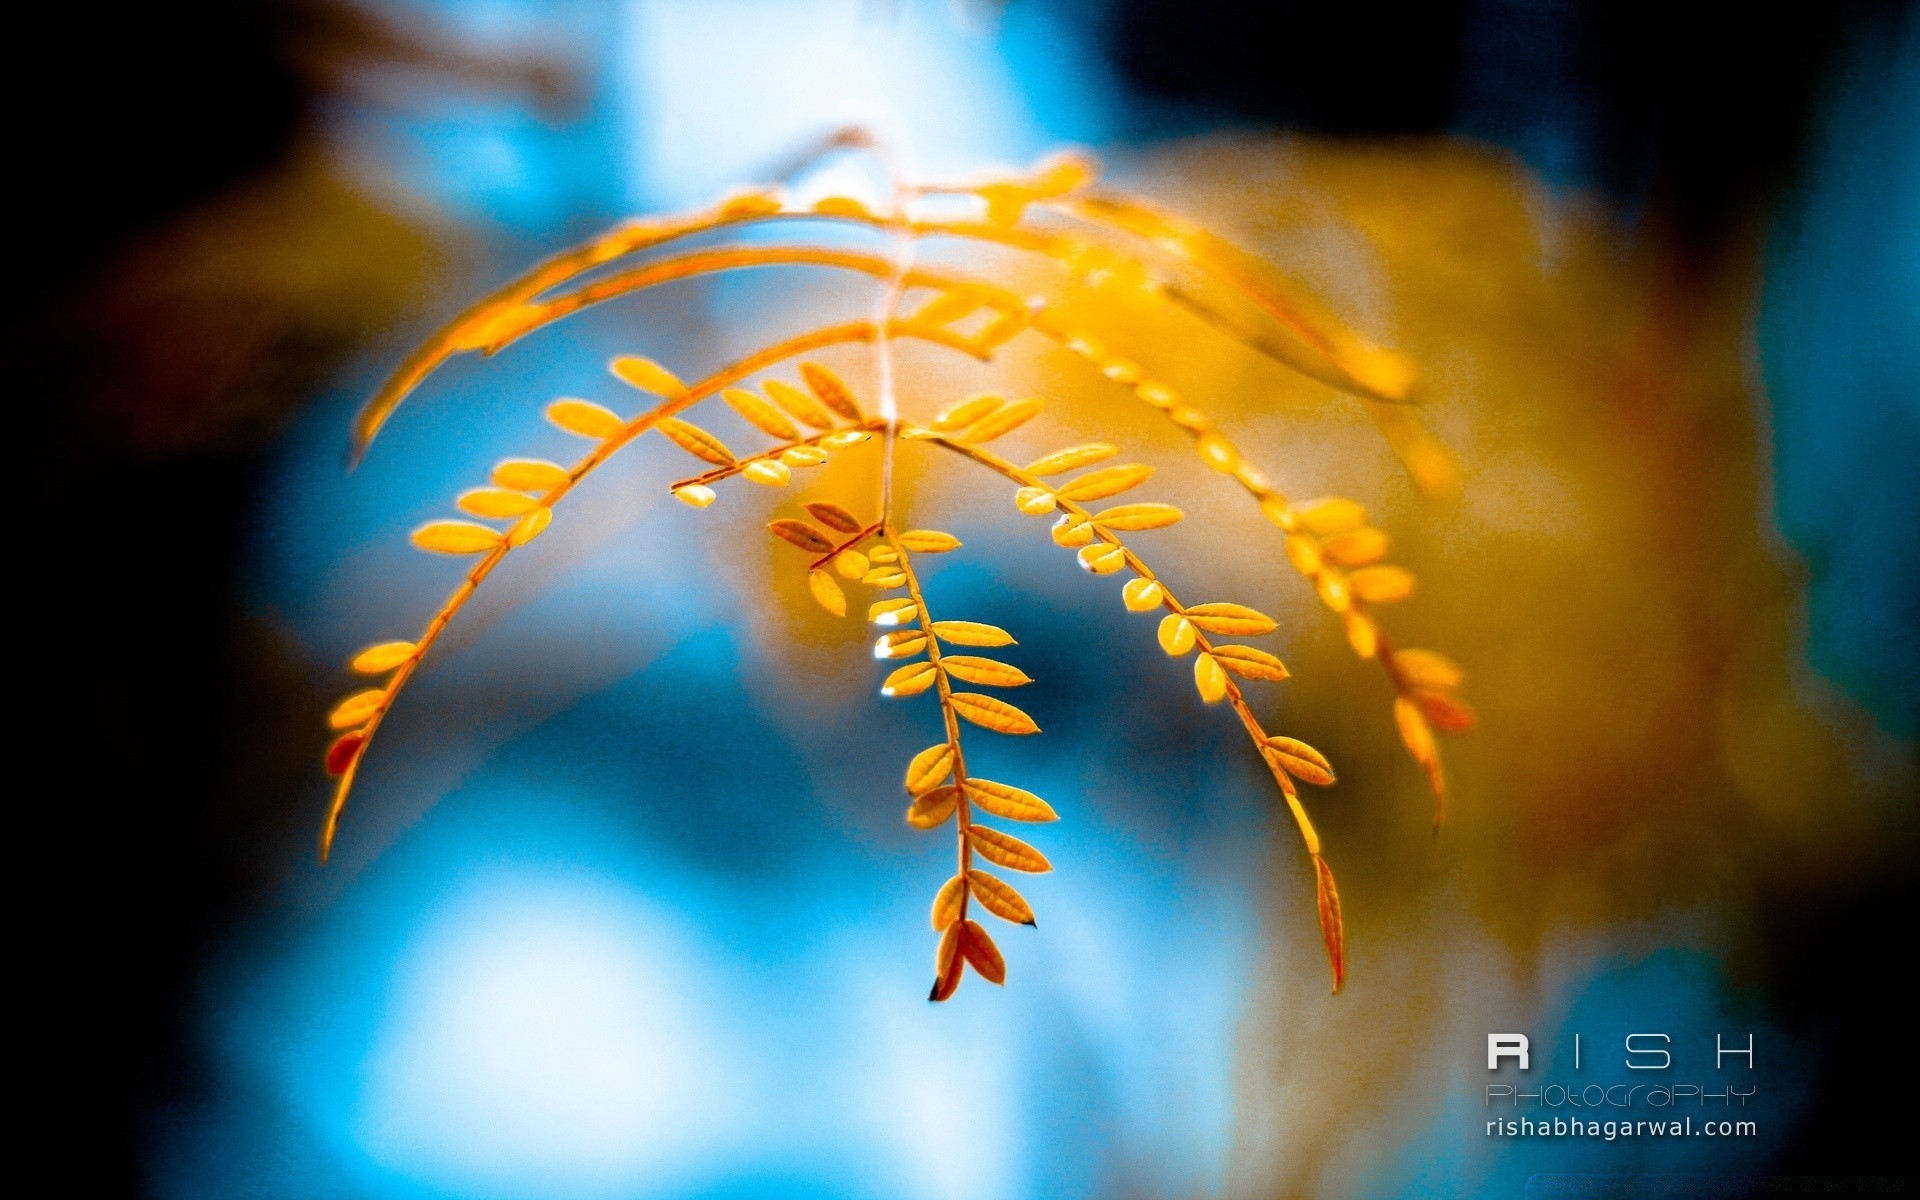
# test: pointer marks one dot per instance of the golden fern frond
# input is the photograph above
(1095, 239)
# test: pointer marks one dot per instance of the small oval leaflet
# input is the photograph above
(966, 413)
(831, 390)
(1007, 850)
(381, 658)
(989, 712)
(1131, 517)
(1414, 733)
(1249, 663)
(928, 541)
(1209, 679)
(803, 456)
(1330, 516)
(998, 897)
(1177, 634)
(901, 643)
(757, 411)
(694, 495)
(530, 526)
(971, 633)
(1107, 481)
(1381, 585)
(1427, 669)
(646, 374)
(1035, 501)
(984, 671)
(344, 750)
(1103, 558)
(1362, 634)
(456, 537)
(494, 502)
(799, 405)
(529, 474)
(1356, 548)
(852, 564)
(1012, 803)
(929, 768)
(885, 577)
(1231, 620)
(1001, 422)
(1142, 595)
(356, 708)
(1301, 761)
(1072, 530)
(981, 954)
(892, 612)
(826, 592)
(768, 472)
(584, 418)
(1444, 712)
(931, 810)
(946, 903)
(696, 441)
(910, 680)
(800, 534)
(833, 516)
(1072, 458)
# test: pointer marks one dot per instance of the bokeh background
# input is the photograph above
(625, 908)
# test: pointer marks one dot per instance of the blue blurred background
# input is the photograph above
(632, 913)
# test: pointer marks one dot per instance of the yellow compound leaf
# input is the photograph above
(1381, 585)
(998, 897)
(1356, 548)
(931, 810)
(1249, 663)
(971, 633)
(646, 374)
(834, 517)
(1035, 501)
(1072, 530)
(381, 658)
(966, 413)
(758, 412)
(1427, 669)
(694, 495)
(455, 537)
(984, 671)
(1143, 595)
(946, 903)
(799, 405)
(901, 643)
(892, 612)
(1001, 422)
(696, 441)
(768, 473)
(355, 709)
(584, 418)
(981, 954)
(827, 592)
(852, 564)
(1209, 679)
(1332, 928)
(991, 713)
(1231, 620)
(910, 680)
(1414, 732)
(1362, 634)
(530, 527)
(1103, 558)
(1301, 761)
(1107, 481)
(1010, 802)
(800, 534)
(1330, 516)
(528, 474)
(1072, 459)
(928, 541)
(885, 577)
(493, 502)
(831, 390)
(929, 769)
(1129, 517)
(1177, 634)
(1007, 850)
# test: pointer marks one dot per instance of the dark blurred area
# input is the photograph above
(190, 267)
